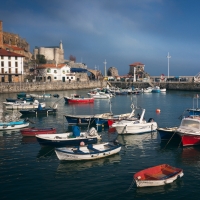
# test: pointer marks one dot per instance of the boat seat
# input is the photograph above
(90, 147)
(77, 150)
(151, 176)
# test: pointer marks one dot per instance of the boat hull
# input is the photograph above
(13, 125)
(157, 176)
(80, 120)
(136, 128)
(37, 112)
(168, 133)
(64, 154)
(190, 140)
(78, 100)
(30, 132)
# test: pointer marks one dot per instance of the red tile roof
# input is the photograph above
(15, 48)
(44, 66)
(136, 64)
(4, 52)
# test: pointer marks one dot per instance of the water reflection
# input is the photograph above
(28, 140)
(45, 152)
(137, 140)
(69, 167)
(191, 155)
(176, 185)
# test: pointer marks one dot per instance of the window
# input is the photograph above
(16, 71)
(55, 71)
(71, 77)
(55, 77)
(2, 64)
(2, 57)
(9, 70)
(9, 64)
(9, 57)
(2, 70)
(15, 57)
(67, 77)
(16, 64)
(48, 70)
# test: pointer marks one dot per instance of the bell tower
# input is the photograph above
(1, 34)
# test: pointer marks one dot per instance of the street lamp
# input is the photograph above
(168, 57)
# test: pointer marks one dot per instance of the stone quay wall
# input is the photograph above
(49, 86)
(187, 86)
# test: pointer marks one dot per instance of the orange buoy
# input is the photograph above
(157, 110)
(82, 143)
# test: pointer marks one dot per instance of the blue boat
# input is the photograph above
(14, 124)
(74, 138)
(29, 99)
(168, 133)
(21, 95)
(80, 119)
(156, 89)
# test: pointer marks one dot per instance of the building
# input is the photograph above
(11, 66)
(53, 54)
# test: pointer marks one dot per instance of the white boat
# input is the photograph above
(98, 95)
(14, 124)
(89, 152)
(157, 175)
(23, 105)
(135, 126)
(147, 90)
(41, 95)
(163, 90)
(156, 89)
(69, 139)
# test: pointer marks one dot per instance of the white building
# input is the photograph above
(11, 66)
(54, 72)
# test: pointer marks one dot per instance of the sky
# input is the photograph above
(119, 31)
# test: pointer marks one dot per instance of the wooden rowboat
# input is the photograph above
(157, 175)
(36, 131)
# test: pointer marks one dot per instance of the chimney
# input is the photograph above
(1, 34)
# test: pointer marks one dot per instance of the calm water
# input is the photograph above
(28, 171)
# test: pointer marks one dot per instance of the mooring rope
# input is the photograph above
(132, 184)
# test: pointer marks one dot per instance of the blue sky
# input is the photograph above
(120, 31)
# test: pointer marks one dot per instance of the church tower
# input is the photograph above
(1, 34)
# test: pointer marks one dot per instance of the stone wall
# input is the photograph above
(48, 86)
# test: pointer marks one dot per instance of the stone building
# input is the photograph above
(53, 54)
(14, 43)
(112, 71)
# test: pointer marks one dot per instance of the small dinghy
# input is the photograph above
(36, 131)
(157, 176)
(88, 152)
(69, 139)
(14, 124)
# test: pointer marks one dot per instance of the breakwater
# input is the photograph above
(49, 86)
(182, 86)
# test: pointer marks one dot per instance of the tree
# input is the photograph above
(40, 59)
(72, 58)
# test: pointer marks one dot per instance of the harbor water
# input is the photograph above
(29, 171)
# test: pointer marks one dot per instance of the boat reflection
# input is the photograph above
(28, 140)
(46, 152)
(10, 132)
(137, 140)
(191, 155)
(69, 167)
(161, 189)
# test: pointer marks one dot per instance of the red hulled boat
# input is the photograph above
(78, 99)
(189, 130)
(35, 131)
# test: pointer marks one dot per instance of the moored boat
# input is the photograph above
(36, 131)
(69, 139)
(156, 89)
(168, 133)
(157, 175)
(14, 124)
(78, 99)
(88, 152)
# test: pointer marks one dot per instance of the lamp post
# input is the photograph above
(168, 57)
(105, 68)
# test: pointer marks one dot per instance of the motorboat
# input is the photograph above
(189, 130)
(135, 126)
(158, 175)
(88, 152)
(76, 137)
(99, 95)
(14, 124)
(147, 90)
(156, 89)
(78, 99)
(168, 133)
(23, 105)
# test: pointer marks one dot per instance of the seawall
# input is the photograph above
(49, 86)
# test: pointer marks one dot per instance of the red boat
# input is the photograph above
(35, 131)
(78, 99)
(157, 175)
(189, 130)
